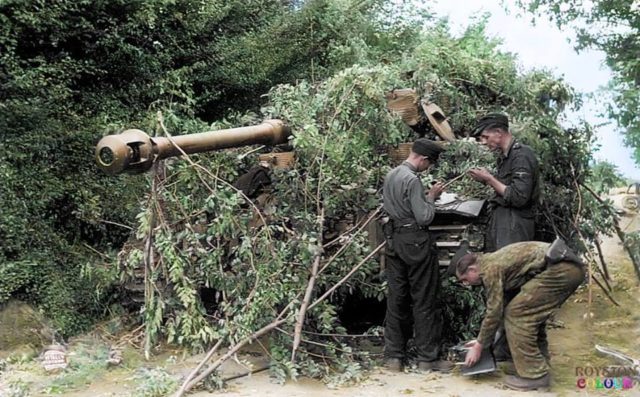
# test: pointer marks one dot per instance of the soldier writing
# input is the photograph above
(515, 185)
(412, 270)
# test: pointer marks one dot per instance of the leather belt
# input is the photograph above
(409, 227)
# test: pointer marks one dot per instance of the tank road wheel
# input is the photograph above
(631, 203)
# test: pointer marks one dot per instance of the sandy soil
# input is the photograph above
(571, 342)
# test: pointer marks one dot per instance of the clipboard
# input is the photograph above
(486, 364)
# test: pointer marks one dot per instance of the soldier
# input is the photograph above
(516, 193)
(412, 263)
(515, 185)
(544, 279)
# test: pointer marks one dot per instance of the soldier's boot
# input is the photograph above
(525, 384)
(443, 366)
(394, 364)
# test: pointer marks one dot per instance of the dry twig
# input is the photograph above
(589, 254)
(454, 179)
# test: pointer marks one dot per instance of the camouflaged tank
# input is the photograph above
(133, 151)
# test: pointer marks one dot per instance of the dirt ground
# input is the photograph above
(578, 327)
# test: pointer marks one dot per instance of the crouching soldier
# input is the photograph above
(546, 275)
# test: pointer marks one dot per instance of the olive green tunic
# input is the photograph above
(542, 289)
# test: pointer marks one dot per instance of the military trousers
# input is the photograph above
(412, 297)
(526, 315)
(500, 346)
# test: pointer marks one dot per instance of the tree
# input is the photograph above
(612, 26)
(604, 176)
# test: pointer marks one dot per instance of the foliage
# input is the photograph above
(459, 157)
(154, 382)
(604, 176)
(614, 28)
(18, 388)
(87, 365)
(463, 311)
(22, 357)
(14, 276)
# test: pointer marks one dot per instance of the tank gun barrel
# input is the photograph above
(134, 151)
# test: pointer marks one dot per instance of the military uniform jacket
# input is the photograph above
(506, 270)
(518, 170)
(404, 198)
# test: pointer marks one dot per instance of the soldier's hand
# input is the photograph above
(436, 190)
(479, 174)
(473, 354)
(471, 343)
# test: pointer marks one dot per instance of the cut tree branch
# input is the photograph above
(193, 373)
(297, 336)
(605, 291)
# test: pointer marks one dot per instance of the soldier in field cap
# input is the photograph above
(412, 263)
(515, 184)
(516, 192)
